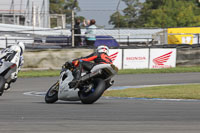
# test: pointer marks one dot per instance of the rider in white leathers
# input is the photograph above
(13, 54)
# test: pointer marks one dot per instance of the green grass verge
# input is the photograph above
(45, 73)
(51, 73)
(166, 92)
(166, 70)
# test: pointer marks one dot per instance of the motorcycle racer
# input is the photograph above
(90, 85)
(13, 54)
(100, 56)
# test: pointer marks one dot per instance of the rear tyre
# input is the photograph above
(2, 84)
(94, 94)
(52, 94)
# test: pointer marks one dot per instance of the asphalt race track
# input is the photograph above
(21, 113)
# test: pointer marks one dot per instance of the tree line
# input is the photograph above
(137, 14)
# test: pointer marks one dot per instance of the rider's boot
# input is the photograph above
(75, 82)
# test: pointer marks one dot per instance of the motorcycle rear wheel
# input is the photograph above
(2, 84)
(52, 94)
(97, 91)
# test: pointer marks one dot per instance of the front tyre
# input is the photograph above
(98, 88)
(52, 94)
(2, 84)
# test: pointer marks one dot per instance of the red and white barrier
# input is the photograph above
(143, 58)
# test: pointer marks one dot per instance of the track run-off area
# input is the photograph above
(20, 113)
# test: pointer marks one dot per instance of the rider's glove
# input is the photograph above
(76, 62)
(66, 65)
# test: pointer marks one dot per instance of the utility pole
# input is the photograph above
(118, 13)
(33, 16)
(73, 28)
(27, 14)
(73, 39)
(21, 6)
(42, 13)
(12, 7)
(118, 19)
(12, 10)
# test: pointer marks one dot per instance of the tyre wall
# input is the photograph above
(188, 57)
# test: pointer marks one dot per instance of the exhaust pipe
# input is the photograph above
(90, 75)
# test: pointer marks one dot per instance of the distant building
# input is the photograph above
(25, 12)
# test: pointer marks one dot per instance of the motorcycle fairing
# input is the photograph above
(65, 93)
(4, 67)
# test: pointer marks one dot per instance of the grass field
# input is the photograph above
(44, 73)
(168, 70)
(191, 91)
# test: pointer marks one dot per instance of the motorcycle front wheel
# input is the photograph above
(52, 94)
(2, 84)
(98, 88)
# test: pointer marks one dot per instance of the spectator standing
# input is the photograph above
(77, 32)
(90, 32)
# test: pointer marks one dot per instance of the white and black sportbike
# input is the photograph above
(11, 60)
(6, 71)
(91, 86)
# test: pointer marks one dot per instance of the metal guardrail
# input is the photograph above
(66, 40)
(123, 40)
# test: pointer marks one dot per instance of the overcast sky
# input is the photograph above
(100, 10)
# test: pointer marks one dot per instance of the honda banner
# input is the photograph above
(162, 58)
(116, 57)
(136, 58)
